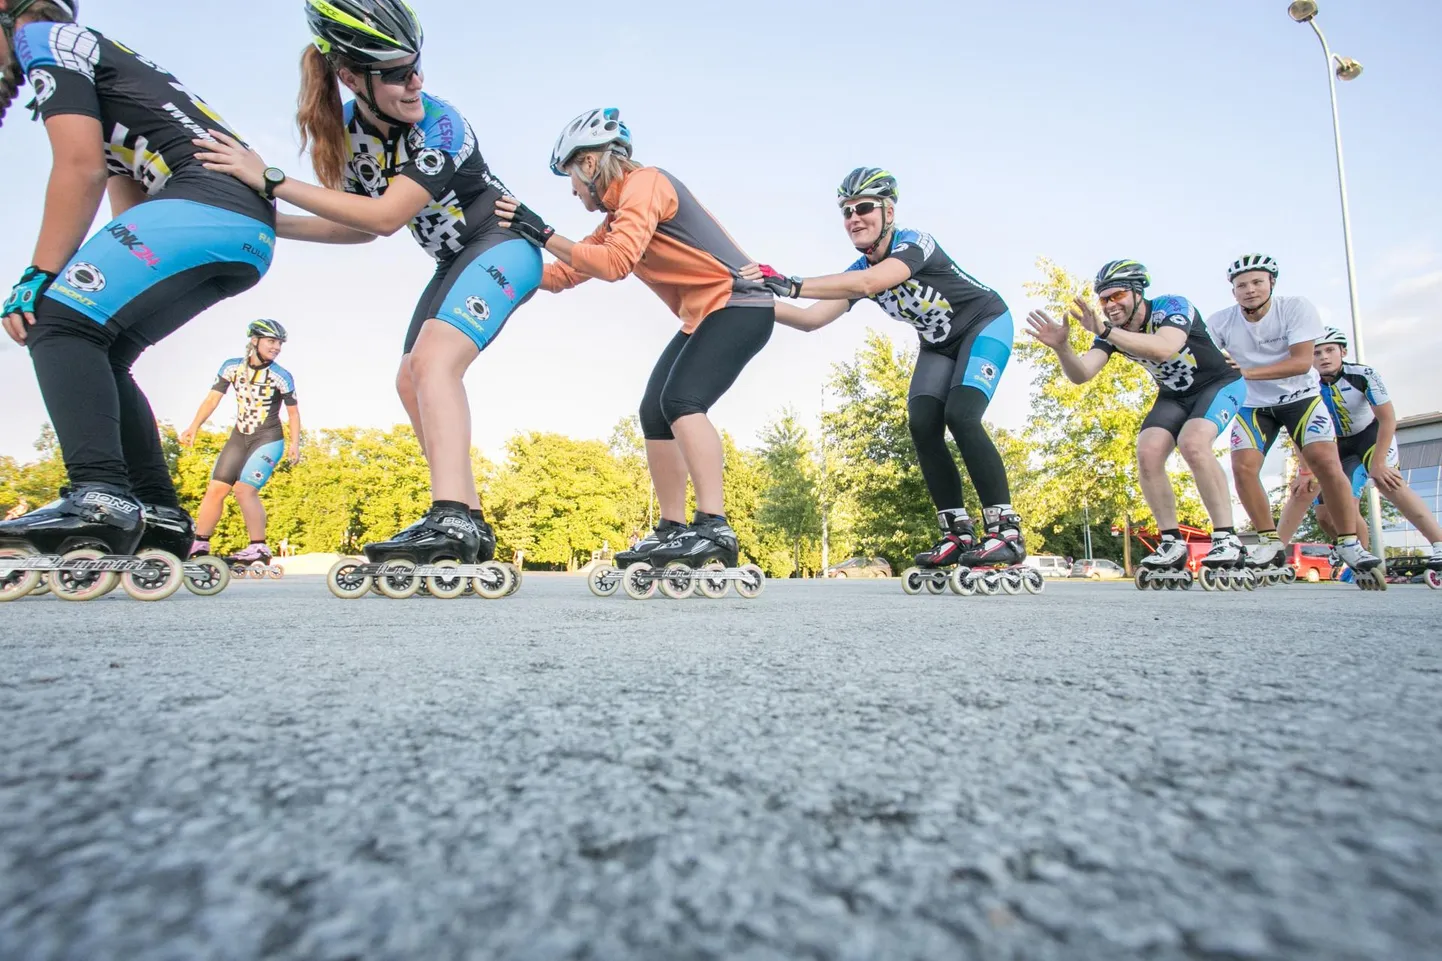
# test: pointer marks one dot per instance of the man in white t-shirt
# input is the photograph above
(1270, 341)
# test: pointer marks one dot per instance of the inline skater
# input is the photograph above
(182, 239)
(256, 443)
(395, 155)
(655, 228)
(1366, 422)
(965, 332)
(1198, 394)
(1270, 340)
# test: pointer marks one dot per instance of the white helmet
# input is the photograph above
(1331, 335)
(1249, 262)
(592, 129)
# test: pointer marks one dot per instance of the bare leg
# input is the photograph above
(1154, 446)
(211, 506)
(1196, 441)
(1415, 510)
(1247, 472)
(437, 366)
(701, 448)
(668, 473)
(252, 510)
(1322, 459)
(406, 388)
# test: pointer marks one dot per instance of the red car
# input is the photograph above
(1313, 562)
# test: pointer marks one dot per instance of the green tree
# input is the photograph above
(789, 502)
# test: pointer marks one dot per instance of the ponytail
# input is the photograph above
(10, 80)
(320, 117)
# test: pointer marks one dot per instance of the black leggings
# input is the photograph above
(101, 417)
(696, 369)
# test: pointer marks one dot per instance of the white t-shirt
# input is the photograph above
(1289, 320)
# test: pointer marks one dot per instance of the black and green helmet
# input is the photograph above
(365, 32)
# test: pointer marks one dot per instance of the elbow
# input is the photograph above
(88, 173)
(383, 227)
(869, 287)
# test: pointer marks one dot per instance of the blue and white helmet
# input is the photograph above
(595, 128)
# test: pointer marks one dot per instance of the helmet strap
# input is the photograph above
(370, 101)
(1141, 302)
(887, 228)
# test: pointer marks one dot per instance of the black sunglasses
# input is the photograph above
(861, 209)
(400, 76)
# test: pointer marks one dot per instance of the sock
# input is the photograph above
(451, 506)
(1347, 539)
(203, 537)
(1222, 530)
(1269, 537)
(1172, 534)
(703, 516)
(254, 542)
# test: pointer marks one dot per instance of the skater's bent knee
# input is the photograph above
(675, 406)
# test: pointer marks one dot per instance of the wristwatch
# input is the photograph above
(1107, 327)
(273, 178)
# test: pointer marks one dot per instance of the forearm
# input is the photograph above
(207, 407)
(365, 214)
(560, 248)
(71, 200)
(852, 285)
(1290, 367)
(1138, 344)
(1072, 365)
(292, 417)
(318, 230)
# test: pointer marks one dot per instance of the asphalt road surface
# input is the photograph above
(831, 770)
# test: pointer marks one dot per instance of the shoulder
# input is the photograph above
(1169, 304)
(920, 239)
(859, 263)
(285, 377)
(1358, 372)
(1296, 307)
(443, 127)
(65, 45)
(649, 182)
(228, 367)
(347, 113)
(1223, 317)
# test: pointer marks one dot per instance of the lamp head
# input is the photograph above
(1302, 10)
(1348, 69)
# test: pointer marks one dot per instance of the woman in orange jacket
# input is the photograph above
(654, 228)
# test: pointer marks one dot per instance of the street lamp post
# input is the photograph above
(1345, 68)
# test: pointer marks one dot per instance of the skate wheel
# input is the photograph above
(752, 581)
(677, 581)
(42, 588)
(912, 580)
(1187, 580)
(639, 581)
(446, 586)
(162, 576)
(213, 576)
(1033, 582)
(1143, 579)
(1158, 584)
(344, 580)
(1207, 578)
(1249, 581)
(961, 582)
(986, 584)
(1433, 579)
(275, 572)
(82, 585)
(935, 582)
(495, 583)
(514, 573)
(1379, 578)
(1289, 575)
(603, 581)
(17, 584)
(398, 587)
(1010, 582)
(712, 587)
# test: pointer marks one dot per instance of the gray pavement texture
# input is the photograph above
(833, 770)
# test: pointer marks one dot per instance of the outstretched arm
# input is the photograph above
(207, 407)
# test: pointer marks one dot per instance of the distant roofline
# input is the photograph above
(1421, 420)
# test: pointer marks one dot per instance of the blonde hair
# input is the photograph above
(610, 167)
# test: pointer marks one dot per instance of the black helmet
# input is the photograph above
(266, 328)
(365, 32)
(1122, 273)
(868, 182)
(8, 17)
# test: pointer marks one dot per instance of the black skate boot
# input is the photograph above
(700, 556)
(707, 538)
(103, 522)
(996, 565)
(958, 537)
(487, 549)
(168, 529)
(641, 553)
(443, 533)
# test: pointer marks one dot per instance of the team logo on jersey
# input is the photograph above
(257, 475)
(44, 83)
(478, 309)
(86, 277)
(367, 171)
(430, 161)
(987, 372)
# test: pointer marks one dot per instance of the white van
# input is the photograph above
(1050, 565)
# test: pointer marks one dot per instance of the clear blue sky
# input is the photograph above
(1179, 134)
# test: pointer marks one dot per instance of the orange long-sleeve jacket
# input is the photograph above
(656, 229)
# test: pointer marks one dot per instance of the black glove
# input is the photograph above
(780, 286)
(529, 225)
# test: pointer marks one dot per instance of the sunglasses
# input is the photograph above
(399, 76)
(1114, 298)
(860, 210)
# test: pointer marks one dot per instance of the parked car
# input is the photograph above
(1098, 569)
(1313, 562)
(860, 567)
(1050, 565)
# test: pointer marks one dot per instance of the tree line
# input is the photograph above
(851, 488)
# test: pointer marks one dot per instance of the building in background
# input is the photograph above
(1419, 446)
